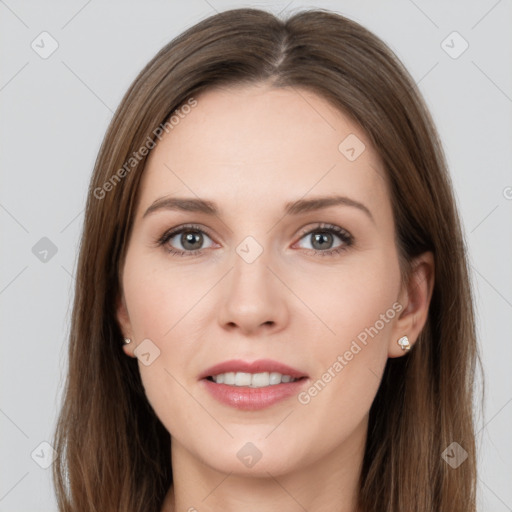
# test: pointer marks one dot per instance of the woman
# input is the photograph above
(272, 303)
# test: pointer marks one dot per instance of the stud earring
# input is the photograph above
(404, 343)
(127, 340)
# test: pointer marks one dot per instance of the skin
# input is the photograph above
(250, 149)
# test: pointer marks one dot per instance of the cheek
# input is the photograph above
(359, 306)
(157, 297)
(351, 299)
(160, 305)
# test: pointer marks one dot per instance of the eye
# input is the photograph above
(190, 237)
(188, 240)
(322, 237)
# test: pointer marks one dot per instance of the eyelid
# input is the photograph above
(319, 226)
(172, 232)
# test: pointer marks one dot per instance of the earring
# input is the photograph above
(404, 343)
(127, 340)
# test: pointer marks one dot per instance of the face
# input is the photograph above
(315, 287)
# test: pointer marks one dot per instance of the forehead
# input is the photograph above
(260, 144)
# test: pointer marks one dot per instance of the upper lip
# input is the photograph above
(259, 366)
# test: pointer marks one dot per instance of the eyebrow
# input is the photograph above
(190, 204)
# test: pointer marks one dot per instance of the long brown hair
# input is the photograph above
(113, 451)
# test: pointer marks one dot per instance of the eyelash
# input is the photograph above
(341, 233)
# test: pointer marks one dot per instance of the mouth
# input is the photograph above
(252, 385)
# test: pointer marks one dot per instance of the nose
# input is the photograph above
(253, 300)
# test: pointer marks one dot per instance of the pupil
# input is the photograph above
(188, 238)
(322, 237)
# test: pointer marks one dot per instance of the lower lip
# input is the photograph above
(252, 399)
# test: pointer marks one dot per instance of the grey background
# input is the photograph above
(54, 113)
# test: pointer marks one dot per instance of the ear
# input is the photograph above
(415, 298)
(123, 319)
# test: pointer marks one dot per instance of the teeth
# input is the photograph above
(229, 378)
(276, 378)
(253, 380)
(243, 379)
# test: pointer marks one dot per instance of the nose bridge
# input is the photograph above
(251, 295)
(250, 267)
